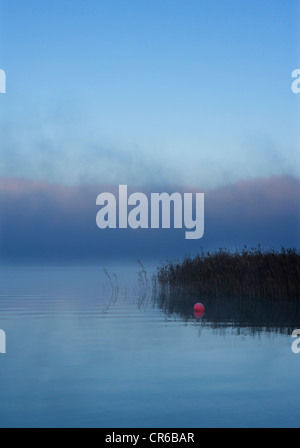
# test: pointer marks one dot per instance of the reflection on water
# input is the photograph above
(252, 316)
(94, 348)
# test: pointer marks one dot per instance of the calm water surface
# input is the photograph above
(83, 353)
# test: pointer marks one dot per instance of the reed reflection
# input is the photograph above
(279, 316)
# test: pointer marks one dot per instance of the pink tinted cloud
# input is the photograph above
(251, 198)
(42, 219)
(258, 198)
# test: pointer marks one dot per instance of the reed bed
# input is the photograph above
(249, 274)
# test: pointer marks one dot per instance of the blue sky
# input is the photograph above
(149, 92)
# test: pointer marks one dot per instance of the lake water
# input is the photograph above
(84, 352)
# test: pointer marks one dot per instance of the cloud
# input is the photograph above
(40, 221)
(68, 147)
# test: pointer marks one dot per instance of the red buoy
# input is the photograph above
(199, 310)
